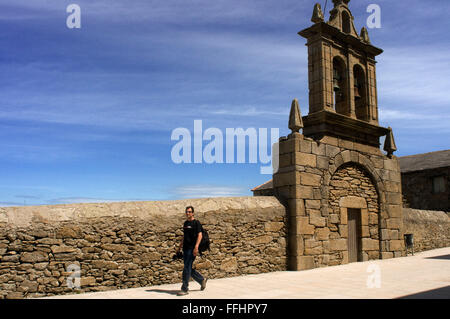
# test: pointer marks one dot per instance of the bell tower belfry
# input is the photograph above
(342, 193)
(342, 78)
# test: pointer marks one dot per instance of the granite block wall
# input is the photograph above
(320, 181)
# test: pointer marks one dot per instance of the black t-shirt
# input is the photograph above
(191, 230)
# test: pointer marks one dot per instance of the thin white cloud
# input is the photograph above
(27, 196)
(76, 200)
(415, 74)
(11, 204)
(415, 120)
(232, 110)
(387, 114)
(265, 56)
(38, 153)
(203, 191)
(413, 87)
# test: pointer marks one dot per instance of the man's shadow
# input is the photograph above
(164, 291)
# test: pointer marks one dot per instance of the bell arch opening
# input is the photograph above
(345, 22)
(340, 96)
(360, 96)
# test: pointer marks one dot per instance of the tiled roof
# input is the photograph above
(266, 185)
(424, 161)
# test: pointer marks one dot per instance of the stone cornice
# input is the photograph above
(334, 124)
(323, 29)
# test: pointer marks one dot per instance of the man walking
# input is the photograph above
(192, 236)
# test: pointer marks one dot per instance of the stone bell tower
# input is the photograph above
(342, 193)
(342, 80)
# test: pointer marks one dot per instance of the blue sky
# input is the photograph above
(86, 114)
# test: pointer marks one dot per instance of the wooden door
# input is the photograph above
(354, 234)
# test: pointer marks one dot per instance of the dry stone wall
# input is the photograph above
(431, 229)
(126, 245)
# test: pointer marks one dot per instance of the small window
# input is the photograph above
(438, 184)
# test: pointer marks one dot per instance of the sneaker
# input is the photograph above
(182, 293)
(203, 285)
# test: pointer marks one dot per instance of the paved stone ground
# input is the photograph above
(424, 275)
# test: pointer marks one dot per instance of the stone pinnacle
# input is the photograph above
(389, 143)
(295, 119)
(364, 35)
(317, 14)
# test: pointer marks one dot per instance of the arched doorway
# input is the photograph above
(354, 214)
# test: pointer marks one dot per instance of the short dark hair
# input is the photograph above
(190, 208)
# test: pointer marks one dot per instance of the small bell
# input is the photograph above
(336, 87)
(336, 79)
(357, 87)
(357, 96)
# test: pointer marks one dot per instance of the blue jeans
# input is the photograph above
(188, 258)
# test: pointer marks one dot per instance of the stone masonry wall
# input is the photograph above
(418, 190)
(431, 229)
(125, 245)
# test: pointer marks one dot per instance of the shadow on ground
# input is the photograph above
(447, 257)
(440, 293)
(164, 291)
